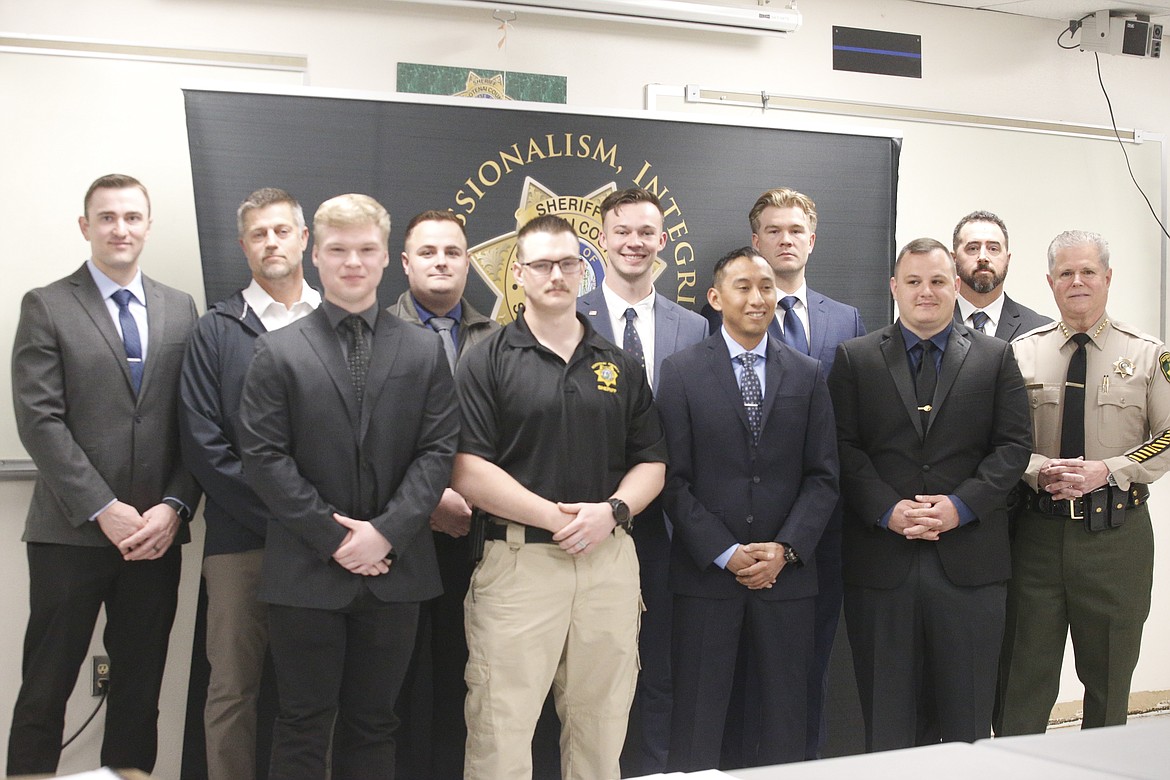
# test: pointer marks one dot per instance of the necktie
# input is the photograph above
(630, 340)
(794, 335)
(442, 326)
(1072, 423)
(980, 319)
(130, 337)
(749, 386)
(358, 356)
(926, 380)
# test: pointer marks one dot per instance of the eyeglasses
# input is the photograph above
(569, 266)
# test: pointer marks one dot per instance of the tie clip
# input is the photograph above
(1074, 384)
(926, 408)
(750, 406)
(134, 360)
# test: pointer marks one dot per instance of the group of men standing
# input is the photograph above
(611, 461)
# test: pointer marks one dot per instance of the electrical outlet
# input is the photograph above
(101, 674)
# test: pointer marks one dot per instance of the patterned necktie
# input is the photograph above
(749, 386)
(794, 335)
(980, 319)
(630, 341)
(1072, 421)
(131, 340)
(358, 356)
(926, 379)
(442, 326)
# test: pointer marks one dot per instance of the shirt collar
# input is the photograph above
(801, 296)
(994, 310)
(259, 300)
(336, 314)
(107, 286)
(939, 339)
(617, 305)
(736, 349)
(425, 314)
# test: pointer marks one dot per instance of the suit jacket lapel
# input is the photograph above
(818, 323)
(383, 350)
(598, 313)
(894, 352)
(725, 378)
(91, 301)
(1009, 320)
(156, 318)
(773, 372)
(665, 336)
(323, 340)
(956, 352)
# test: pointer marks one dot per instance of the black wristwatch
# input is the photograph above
(790, 555)
(621, 514)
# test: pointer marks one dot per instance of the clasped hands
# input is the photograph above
(584, 526)
(364, 550)
(757, 565)
(1068, 478)
(924, 517)
(139, 537)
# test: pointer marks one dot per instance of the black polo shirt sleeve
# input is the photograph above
(475, 388)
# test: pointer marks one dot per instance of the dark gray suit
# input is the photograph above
(675, 328)
(93, 441)
(1015, 319)
(341, 641)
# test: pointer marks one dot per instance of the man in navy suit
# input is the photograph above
(784, 231)
(751, 483)
(980, 244)
(625, 309)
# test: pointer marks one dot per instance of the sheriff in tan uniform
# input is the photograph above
(1083, 551)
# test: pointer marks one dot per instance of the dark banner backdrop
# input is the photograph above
(498, 166)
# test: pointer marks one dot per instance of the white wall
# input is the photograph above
(66, 122)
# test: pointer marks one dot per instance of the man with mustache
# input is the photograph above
(980, 244)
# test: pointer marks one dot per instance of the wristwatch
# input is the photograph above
(790, 555)
(621, 514)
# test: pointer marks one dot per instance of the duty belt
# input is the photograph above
(1102, 508)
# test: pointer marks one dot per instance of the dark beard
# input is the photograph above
(983, 284)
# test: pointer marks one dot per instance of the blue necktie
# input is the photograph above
(130, 338)
(753, 396)
(793, 328)
(980, 319)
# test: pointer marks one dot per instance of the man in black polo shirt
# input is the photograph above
(561, 444)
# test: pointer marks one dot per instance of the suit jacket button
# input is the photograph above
(926, 467)
(756, 478)
(750, 518)
(137, 418)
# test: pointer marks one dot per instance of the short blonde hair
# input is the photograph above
(350, 210)
(783, 198)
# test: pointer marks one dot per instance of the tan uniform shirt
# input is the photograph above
(1127, 392)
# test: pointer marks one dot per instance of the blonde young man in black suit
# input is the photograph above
(933, 429)
(349, 432)
(95, 372)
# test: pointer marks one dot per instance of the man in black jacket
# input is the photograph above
(273, 235)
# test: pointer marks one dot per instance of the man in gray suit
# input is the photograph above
(95, 372)
(652, 327)
(980, 251)
(349, 433)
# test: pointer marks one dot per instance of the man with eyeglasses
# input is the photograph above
(561, 446)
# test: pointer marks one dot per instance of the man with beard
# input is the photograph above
(980, 244)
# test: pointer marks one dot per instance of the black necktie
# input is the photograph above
(1072, 422)
(794, 335)
(926, 379)
(631, 342)
(749, 387)
(442, 326)
(131, 340)
(358, 356)
(980, 319)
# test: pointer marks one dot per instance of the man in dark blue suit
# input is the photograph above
(751, 483)
(625, 309)
(784, 231)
